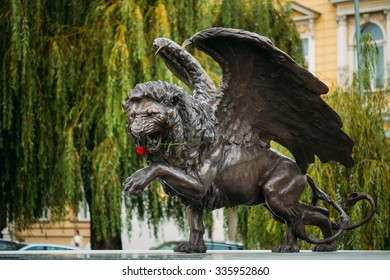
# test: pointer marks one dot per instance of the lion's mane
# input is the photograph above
(191, 122)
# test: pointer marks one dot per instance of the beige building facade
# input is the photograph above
(62, 232)
(328, 31)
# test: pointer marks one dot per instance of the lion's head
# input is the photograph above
(159, 114)
(149, 114)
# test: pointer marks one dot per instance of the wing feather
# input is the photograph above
(185, 67)
(264, 95)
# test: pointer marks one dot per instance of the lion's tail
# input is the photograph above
(344, 222)
(351, 201)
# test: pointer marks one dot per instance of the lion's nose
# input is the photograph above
(136, 132)
(137, 127)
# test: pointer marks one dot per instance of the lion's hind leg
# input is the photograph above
(316, 216)
(296, 221)
(289, 245)
(290, 242)
(282, 189)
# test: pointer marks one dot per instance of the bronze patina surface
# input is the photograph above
(212, 149)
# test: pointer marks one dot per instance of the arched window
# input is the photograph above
(377, 36)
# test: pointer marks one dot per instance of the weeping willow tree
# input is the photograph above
(363, 112)
(66, 66)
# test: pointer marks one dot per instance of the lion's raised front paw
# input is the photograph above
(285, 248)
(187, 247)
(136, 183)
(131, 188)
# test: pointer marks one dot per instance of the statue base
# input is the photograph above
(210, 255)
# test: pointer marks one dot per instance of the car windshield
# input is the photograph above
(10, 245)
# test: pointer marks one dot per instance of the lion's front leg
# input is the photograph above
(185, 184)
(196, 243)
(139, 180)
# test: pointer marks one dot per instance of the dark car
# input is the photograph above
(7, 245)
(211, 245)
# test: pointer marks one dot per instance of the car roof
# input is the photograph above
(10, 245)
(30, 246)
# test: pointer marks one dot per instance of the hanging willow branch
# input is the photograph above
(363, 118)
(65, 68)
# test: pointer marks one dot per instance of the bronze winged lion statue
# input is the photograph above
(212, 149)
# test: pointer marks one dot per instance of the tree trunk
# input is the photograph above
(107, 243)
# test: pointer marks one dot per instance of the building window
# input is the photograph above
(45, 215)
(305, 48)
(83, 214)
(308, 53)
(377, 36)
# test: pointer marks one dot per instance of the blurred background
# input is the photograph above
(66, 65)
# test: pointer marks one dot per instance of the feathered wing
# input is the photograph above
(264, 95)
(185, 67)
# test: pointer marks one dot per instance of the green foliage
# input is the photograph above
(270, 18)
(65, 68)
(363, 118)
(371, 172)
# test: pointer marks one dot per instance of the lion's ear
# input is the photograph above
(175, 99)
(171, 117)
(124, 105)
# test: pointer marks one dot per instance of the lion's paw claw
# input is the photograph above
(325, 247)
(285, 248)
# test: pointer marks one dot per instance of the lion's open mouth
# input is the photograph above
(153, 141)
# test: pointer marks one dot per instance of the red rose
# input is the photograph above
(141, 151)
